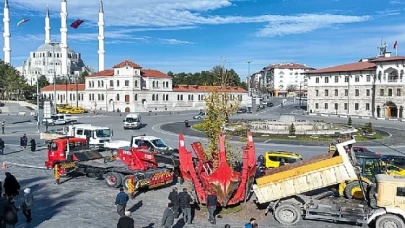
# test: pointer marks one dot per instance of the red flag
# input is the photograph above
(76, 24)
(395, 44)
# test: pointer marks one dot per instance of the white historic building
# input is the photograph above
(129, 88)
(371, 87)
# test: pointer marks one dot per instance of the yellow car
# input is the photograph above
(395, 170)
(273, 158)
(77, 110)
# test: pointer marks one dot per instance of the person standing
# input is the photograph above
(11, 185)
(174, 199)
(4, 207)
(11, 216)
(185, 202)
(24, 141)
(212, 202)
(126, 221)
(26, 205)
(1, 146)
(121, 202)
(33, 145)
(168, 216)
(251, 224)
(2, 126)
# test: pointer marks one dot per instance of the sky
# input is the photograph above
(195, 35)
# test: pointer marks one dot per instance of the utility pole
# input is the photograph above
(54, 76)
(300, 95)
(38, 104)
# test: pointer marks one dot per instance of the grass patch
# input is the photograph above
(198, 127)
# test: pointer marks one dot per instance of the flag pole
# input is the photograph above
(396, 50)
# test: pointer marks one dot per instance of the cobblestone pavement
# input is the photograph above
(88, 203)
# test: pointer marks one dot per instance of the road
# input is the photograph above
(90, 202)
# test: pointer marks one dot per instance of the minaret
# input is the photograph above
(6, 34)
(63, 38)
(47, 27)
(101, 38)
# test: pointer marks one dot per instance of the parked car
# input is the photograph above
(242, 110)
(200, 116)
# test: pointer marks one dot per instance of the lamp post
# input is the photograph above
(249, 84)
(38, 121)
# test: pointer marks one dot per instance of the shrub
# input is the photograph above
(349, 122)
(292, 129)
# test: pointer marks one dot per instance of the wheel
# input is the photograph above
(125, 128)
(125, 181)
(113, 179)
(287, 214)
(389, 221)
(353, 190)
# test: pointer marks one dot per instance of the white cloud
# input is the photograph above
(184, 13)
(396, 2)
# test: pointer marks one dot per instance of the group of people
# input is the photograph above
(8, 209)
(24, 143)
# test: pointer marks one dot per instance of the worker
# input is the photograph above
(3, 209)
(26, 205)
(186, 124)
(251, 224)
(126, 221)
(1, 146)
(174, 199)
(11, 185)
(24, 141)
(168, 216)
(212, 202)
(185, 201)
(121, 202)
(2, 127)
(33, 145)
(282, 162)
(260, 160)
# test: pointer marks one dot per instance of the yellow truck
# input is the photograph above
(300, 191)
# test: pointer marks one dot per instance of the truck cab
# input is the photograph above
(58, 149)
(98, 135)
(132, 121)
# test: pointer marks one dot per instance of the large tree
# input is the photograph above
(43, 81)
(12, 84)
(82, 78)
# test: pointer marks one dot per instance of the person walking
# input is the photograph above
(26, 205)
(185, 202)
(4, 207)
(11, 215)
(121, 202)
(1, 146)
(24, 141)
(174, 199)
(11, 185)
(126, 221)
(168, 216)
(251, 224)
(33, 145)
(212, 202)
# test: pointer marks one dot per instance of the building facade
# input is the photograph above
(371, 87)
(129, 88)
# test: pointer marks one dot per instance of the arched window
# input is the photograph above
(157, 97)
(167, 84)
(153, 95)
(136, 97)
(118, 97)
(157, 84)
(167, 97)
(136, 83)
(153, 84)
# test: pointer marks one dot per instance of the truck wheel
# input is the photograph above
(287, 214)
(353, 190)
(126, 181)
(113, 179)
(389, 221)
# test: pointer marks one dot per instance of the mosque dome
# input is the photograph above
(52, 48)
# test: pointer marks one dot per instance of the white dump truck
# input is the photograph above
(299, 190)
(132, 121)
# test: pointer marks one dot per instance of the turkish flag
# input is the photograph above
(395, 44)
(76, 24)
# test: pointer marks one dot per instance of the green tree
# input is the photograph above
(349, 121)
(369, 128)
(43, 81)
(291, 130)
(82, 78)
(61, 80)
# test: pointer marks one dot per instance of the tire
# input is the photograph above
(125, 128)
(371, 197)
(389, 221)
(124, 181)
(348, 192)
(288, 214)
(113, 179)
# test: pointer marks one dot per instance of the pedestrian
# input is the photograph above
(24, 141)
(212, 202)
(282, 162)
(33, 145)
(26, 205)
(126, 221)
(121, 202)
(2, 126)
(251, 224)
(174, 199)
(1, 146)
(11, 185)
(185, 202)
(11, 215)
(168, 216)
(4, 207)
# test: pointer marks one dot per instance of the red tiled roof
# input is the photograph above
(127, 63)
(357, 66)
(70, 87)
(288, 66)
(102, 73)
(196, 88)
(154, 74)
(388, 59)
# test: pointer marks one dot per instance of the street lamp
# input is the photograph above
(37, 104)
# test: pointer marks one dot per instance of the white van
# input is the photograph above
(132, 121)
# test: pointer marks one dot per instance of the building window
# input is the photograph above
(126, 98)
(126, 82)
(118, 83)
(102, 97)
(381, 92)
(111, 83)
(390, 92)
(118, 97)
(326, 106)
(157, 84)
(316, 105)
(98, 97)
(326, 79)
(153, 97)
(326, 92)
(102, 83)
(356, 106)
(89, 97)
(316, 80)
(136, 83)
(98, 84)
(398, 92)
(336, 79)
(336, 106)
(135, 97)
(346, 92)
(367, 106)
(368, 78)
(357, 78)
(357, 92)
(345, 106)
(317, 93)
(167, 97)
(336, 92)
(70, 97)
(347, 79)
(153, 84)
(367, 92)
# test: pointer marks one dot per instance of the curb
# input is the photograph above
(356, 117)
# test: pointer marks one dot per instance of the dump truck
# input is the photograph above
(305, 190)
